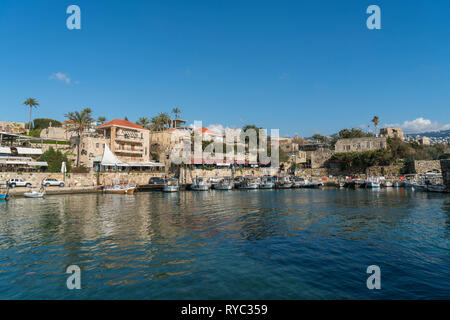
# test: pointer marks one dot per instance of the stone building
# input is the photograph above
(129, 141)
(361, 144)
(392, 133)
(13, 127)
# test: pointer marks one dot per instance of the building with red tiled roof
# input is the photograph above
(129, 141)
(208, 132)
(121, 123)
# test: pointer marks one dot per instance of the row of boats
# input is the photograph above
(431, 182)
(246, 183)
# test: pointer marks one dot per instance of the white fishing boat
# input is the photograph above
(299, 182)
(200, 184)
(267, 183)
(171, 185)
(373, 183)
(249, 183)
(34, 194)
(387, 184)
(224, 184)
(397, 184)
(283, 183)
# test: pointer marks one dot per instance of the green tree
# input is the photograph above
(79, 122)
(32, 103)
(375, 121)
(43, 123)
(54, 159)
(176, 112)
(101, 119)
(143, 121)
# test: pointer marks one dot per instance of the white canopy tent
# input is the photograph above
(110, 160)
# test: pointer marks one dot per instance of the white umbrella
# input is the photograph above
(63, 167)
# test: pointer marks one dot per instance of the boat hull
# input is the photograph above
(223, 187)
(284, 186)
(3, 197)
(269, 185)
(34, 194)
(120, 191)
(200, 187)
(171, 188)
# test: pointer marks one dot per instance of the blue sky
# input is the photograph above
(302, 66)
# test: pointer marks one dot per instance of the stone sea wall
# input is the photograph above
(423, 166)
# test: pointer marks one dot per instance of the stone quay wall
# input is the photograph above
(423, 166)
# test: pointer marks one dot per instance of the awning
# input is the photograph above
(38, 164)
(28, 150)
(6, 150)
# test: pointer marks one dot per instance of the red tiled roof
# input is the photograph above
(121, 123)
(205, 130)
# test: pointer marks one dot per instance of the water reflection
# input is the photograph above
(195, 238)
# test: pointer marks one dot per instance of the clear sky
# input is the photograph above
(301, 66)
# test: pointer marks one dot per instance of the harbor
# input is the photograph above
(258, 244)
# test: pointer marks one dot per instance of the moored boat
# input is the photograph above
(283, 183)
(171, 185)
(34, 194)
(224, 184)
(267, 183)
(373, 183)
(249, 183)
(199, 184)
(120, 189)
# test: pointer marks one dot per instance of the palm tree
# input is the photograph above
(101, 119)
(79, 122)
(32, 103)
(143, 121)
(375, 121)
(165, 119)
(176, 111)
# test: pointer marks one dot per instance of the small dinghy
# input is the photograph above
(34, 194)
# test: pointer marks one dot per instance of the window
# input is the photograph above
(368, 145)
(97, 145)
(358, 146)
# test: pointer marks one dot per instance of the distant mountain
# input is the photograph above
(432, 134)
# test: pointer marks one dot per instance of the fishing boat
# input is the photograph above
(267, 182)
(224, 184)
(283, 183)
(355, 184)
(199, 184)
(35, 194)
(313, 184)
(397, 184)
(299, 182)
(249, 183)
(171, 185)
(436, 188)
(4, 195)
(387, 184)
(120, 189)
(373, 183)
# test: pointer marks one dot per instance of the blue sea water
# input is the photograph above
(256, 244)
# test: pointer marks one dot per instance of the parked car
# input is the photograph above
(18, 183)
(52, 182)
(156, 180)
